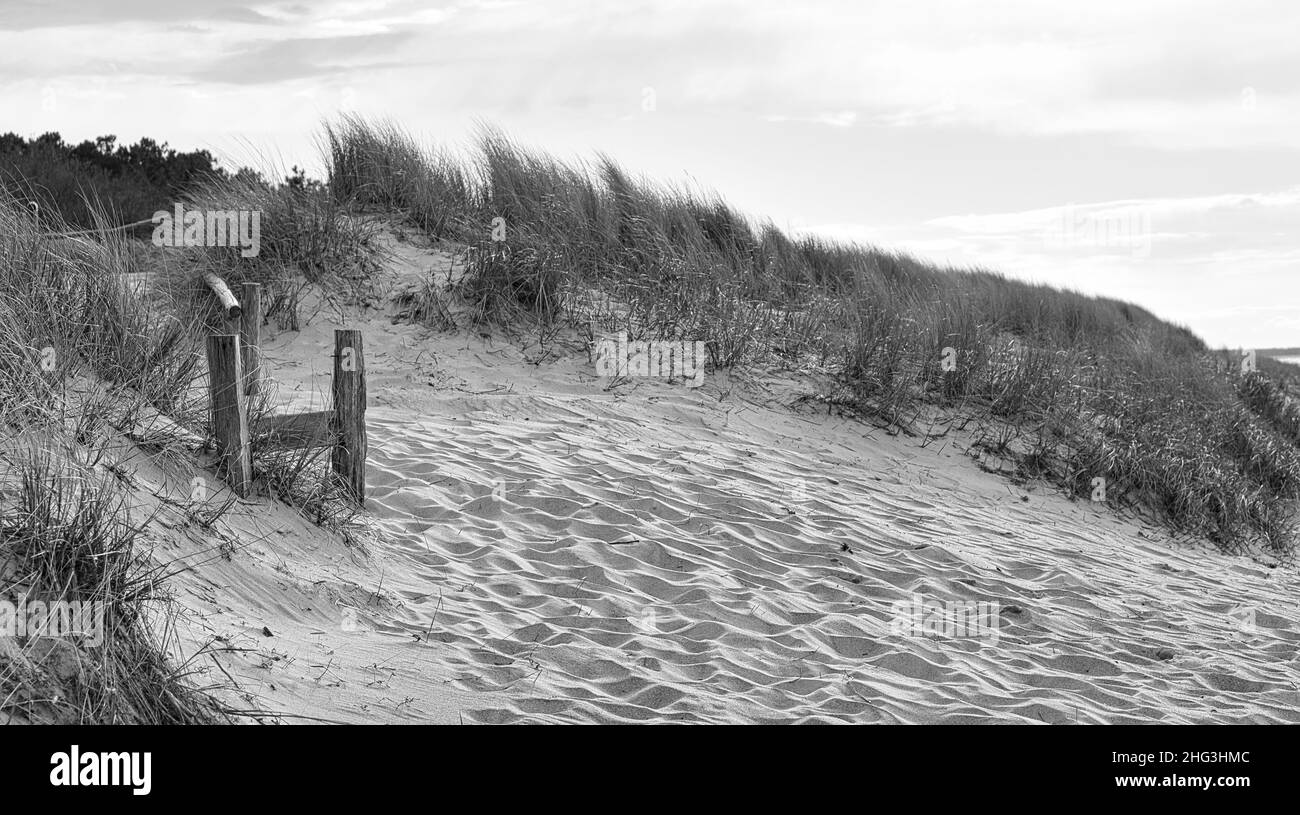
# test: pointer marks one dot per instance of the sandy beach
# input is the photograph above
(544, 548)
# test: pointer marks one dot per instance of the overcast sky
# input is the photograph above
(1144, 150)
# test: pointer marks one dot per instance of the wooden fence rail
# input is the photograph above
(235, 374)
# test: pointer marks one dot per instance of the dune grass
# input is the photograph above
(306, 237)
(105, 355)
(68, 535)
(88, 362)
(1097, 396)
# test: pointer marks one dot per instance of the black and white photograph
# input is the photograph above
(489, 362)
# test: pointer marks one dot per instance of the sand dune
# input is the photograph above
(550, 551)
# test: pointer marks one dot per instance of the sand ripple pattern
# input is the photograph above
(598, 563)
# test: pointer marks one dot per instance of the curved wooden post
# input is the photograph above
(228, 302)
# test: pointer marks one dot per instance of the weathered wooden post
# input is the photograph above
(229, 422)
(250, 337)
(348, 459)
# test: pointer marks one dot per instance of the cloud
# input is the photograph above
(30, 15)
(1154, 209)
(842, 119)
(271, 61)
(1175, 75)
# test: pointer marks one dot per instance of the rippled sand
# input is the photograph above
(553, 551)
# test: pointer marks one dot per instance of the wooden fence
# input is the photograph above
(235, 375)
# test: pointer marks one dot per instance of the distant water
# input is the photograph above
(1292, 360)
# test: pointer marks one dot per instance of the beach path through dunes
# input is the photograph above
(553, 550)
